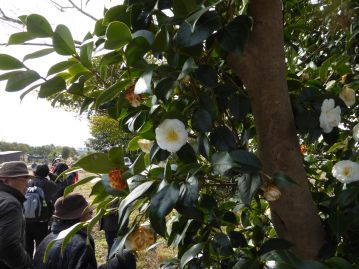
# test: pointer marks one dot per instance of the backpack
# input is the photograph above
(35, 206)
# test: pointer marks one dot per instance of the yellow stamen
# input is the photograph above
(172, 136)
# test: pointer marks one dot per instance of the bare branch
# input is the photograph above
(8, 19)
(73, 5)
(82, 11)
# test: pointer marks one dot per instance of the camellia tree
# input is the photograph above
(245, 112)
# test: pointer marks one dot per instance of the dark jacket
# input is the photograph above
(12, 229)
(77, 254)
(49, 187)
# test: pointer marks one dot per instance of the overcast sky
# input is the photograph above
(34, 121)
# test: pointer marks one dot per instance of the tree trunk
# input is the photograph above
(262, 70)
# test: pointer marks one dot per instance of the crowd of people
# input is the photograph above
(34, 212)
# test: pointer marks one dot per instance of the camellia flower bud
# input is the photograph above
(140, 239)
(145, 145)
(272, 193)
(348, 96)
(356, 132)
(116, 181)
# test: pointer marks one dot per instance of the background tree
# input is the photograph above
(230, 115)
(106, 133)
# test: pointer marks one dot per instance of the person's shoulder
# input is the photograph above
(8, 202)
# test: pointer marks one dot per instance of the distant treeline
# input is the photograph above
(47, 151)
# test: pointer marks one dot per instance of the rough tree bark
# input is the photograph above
(262, 70)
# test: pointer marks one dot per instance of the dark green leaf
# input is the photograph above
(112, 92)
(203, 146)
(283, 180)
(311, 265)
(248, 185)
(52, 86)
(237, 239)
(117, 35)
(29, 90)
(164, 88)
(145, 34)
(61, 66)
(189, 192)
(20, 38)
(62, 41)
(338, 263)
(162, 203)
(138, 165)
(86, 51)
(96, 163)
(186, 154)
(116, 156)
(206, 25)
(187, 68)
(202, 121)
(38, 54)
(223, 139)
(117, 13)
(245, 161)
(83, 181)
(135, 51)
(8, 62)
(133, 196)
(221, 162)
(19, 80)
(113, 57)
(222, 245)
(143, 84)
(38, 25)
(234, 36)
(274, 244)
(206, 75)
(183, 8)
(191, 253)
(239, 106)
(162, 40)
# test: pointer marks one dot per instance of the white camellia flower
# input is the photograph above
(330, 115)
(346, 171)
(348, 96)
(356, 132)
(145, 145)
(171, 135)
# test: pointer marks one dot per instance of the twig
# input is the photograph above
(8, 19)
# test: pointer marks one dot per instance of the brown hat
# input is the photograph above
(14, 169)
(71, 207)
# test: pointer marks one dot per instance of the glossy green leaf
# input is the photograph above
(148, 35)
(117, 35)
(112, 92)
(52, 86)
(62, 41)
(206, 75)
(191, 253)
(338, 263)
(164, 88)
(86, 50)
(8, 62)
(245, 161)
(274, 244)
(117, 13)
(162, 40)
(283, 180)
(81, 182)
(187, 68)
(21, 79)
(206, 25)
(235, 35)
(143, 84)
(221, 162)
(61, 66)
(222, 245)
(202, 121)
(38, 54)
(116, 156)
(223, 139)
(135, 194)
(182, 8)
(135, 51)
(38, 25)
(96, 163)
(186, 154)
(111, 58)
(239, 106)
(237, 239)
(161, 205)
(67, 234)
(248, 185)
(100, 28)
(20, 38)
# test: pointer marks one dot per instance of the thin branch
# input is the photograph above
(73, 5)
(8, 19)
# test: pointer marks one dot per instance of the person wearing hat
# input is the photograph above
(13, 180)
(77, 253)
